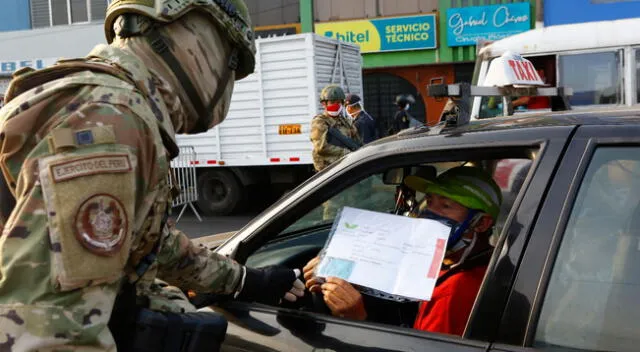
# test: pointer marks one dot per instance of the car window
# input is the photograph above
(592, 299)
(594, 77)
(369, 194)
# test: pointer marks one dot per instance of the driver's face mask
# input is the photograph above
(458, 229)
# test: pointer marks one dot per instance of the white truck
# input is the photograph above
(262, 148)
(263, 144)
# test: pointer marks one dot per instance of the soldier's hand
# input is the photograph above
(271, 284)
(343, 299)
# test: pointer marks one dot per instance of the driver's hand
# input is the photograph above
(310, 280)
(343, 299)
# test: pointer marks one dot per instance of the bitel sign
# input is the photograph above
(468, 25)
(8, 67)
(384, 34)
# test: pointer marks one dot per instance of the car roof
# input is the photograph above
(612, 116)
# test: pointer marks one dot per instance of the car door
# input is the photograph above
(580, 268)
(260, 327)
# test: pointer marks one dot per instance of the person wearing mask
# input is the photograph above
(332, 134)
(87, 151)
(364, 123)
(402, 118)
(468, 199)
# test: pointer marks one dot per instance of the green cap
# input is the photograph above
(472, 187)
(332, 92)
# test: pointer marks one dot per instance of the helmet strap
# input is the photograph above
(159, 45)
(468, 222)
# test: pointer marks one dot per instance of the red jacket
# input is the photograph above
(450, 305)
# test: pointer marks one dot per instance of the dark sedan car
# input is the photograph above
(565, 269)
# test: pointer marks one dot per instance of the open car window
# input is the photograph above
(306, 235)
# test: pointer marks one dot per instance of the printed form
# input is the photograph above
(394, 254)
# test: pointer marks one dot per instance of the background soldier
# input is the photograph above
(364, 123)
(402, 119)
(86, 149)
(327, 148)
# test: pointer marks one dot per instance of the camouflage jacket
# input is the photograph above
(86, 154)
(325, 149)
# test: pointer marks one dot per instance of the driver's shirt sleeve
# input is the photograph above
(450, 306)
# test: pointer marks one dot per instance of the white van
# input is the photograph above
(600, 61)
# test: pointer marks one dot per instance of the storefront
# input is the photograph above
(403, 55)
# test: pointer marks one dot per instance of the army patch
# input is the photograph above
(101, 224)
(84, 137)
(90, 166)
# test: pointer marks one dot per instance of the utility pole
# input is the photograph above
(306, 16)
(539, 13)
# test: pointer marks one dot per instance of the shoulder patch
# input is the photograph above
(101, 224)
(68, 170)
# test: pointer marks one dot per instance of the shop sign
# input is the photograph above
(468, 25)
(384, 34)
(8, 67)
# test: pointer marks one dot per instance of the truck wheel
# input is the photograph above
(219, 192)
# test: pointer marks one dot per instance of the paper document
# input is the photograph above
(394, 254)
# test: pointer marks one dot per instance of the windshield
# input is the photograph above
(369, 194)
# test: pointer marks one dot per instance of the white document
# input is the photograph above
(394, 254)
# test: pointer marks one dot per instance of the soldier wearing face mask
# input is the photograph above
(327, 148)
(364, 123)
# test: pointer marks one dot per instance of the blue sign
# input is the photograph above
(8, 67)
(468, 25)
(384, 34)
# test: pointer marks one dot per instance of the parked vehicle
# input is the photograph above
(563, 272)
(599, 60)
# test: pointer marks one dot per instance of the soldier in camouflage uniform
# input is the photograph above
(326, 150)
(85, 150)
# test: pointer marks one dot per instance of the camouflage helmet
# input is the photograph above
(232, 15)
(332, 92)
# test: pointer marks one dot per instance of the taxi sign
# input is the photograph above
(290, 129)
(512, 70)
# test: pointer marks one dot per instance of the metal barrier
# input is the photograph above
(184, 176)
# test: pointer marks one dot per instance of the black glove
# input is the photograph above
(271, 284)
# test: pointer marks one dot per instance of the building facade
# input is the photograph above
(410, 44)
(563, 12)
(14, 15)
(406, 45)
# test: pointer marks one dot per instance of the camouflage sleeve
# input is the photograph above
(189, 266)
(318, 135)
(71, 231)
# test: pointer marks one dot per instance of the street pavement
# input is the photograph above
(210, 225)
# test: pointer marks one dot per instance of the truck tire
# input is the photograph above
(219, 192)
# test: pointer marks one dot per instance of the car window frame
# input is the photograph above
(549, 141)
(398, 150)
(546, 237)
